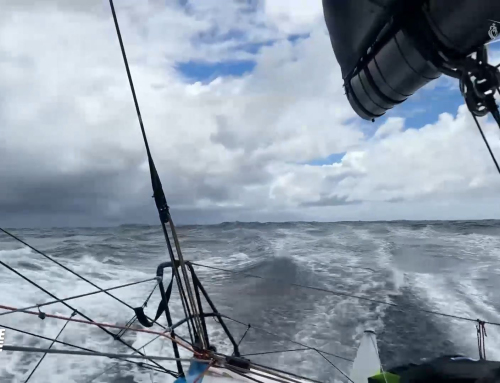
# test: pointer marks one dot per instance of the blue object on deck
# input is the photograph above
(196, 369)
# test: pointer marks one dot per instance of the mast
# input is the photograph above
(188, 300)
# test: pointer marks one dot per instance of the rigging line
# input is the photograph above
(275, 377)
(72, 309)
(150, 294)
(277, 351)
(158, 194)
(338, 369)
(379, 360)
(45, 354)
(261, 367)
(289, 339)
(104, 354)
(101, 324)
(197, 320)
(157, 336)
(182, 294)
(101, 373)
(271, 370)
(150, 374)
(71, 271)
(113, 365)
(140, 364)
(127, 325)
(75, 297)
(486, 143)
(271, 374)
(152, 340)
(134, 318)
(296, 284)
(227, 367)
(243, 337)
(339, 293)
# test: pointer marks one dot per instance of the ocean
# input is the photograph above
(447, 266)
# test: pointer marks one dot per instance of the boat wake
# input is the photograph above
(373, 260)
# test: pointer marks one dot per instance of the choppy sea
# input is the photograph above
(447, 266)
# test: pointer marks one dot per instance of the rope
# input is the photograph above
(152, 340)
(486, 142)
(233, 369)
(343, 294)
(127, 325)
(134, 318)
(72, 309)
(269, 370)
(277, 351)
(144, 305)
(243, 337)
(276, 377)
(288, 339)
(148, 366)
(379, 360)
(43, 356)
(338, 369)
(101, 324)
(481, 334)
(182, 294)
(69, 270)
(105, 354)
(194, 309)
(75, 297)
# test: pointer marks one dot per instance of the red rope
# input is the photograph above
(100, 324)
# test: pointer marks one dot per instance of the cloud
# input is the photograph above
(393, 125)
(294, 16)
(234, 148)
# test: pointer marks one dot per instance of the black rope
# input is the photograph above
(152, 340)
(71, 271)
(148, 366)
(343, 294)
(481, 334)
(331, 363)
(134, 318)
(127, 325)
(288, 339)
(80, 313)
(277, 351)
(243, 337)
(144, 305)
(45, 354)
(486, 143)
(74, 297)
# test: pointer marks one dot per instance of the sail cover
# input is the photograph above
(388, 49)
(353, 27)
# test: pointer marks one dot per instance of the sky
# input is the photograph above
(245, 111)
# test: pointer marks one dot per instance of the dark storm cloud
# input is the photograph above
(71, 152)
(330, 201)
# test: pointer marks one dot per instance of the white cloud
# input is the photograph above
(71, 148)
(294, 16)
(393, 125)
(446, 160)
